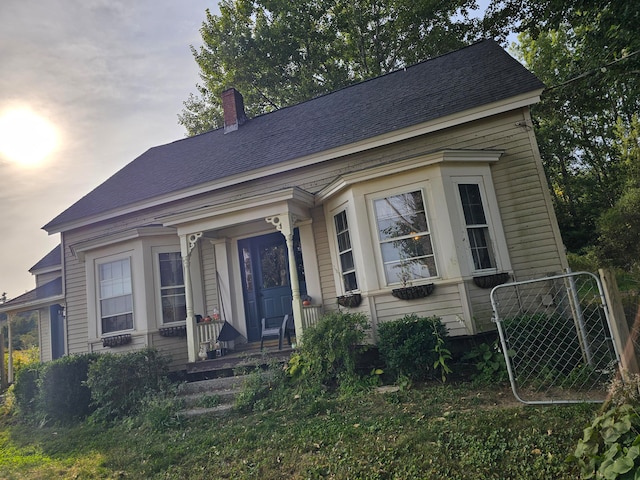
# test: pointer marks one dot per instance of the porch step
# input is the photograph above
(218, 392)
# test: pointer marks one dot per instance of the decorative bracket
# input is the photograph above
(284, 223)
(192, 240)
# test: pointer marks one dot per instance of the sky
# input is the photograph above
(98, 82)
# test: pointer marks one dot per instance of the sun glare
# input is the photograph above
(26, 138)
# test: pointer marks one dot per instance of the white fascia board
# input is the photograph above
(79, 249)
(419, 161)
(242, 210)
(495, 108)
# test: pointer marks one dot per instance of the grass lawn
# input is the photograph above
(432, 432)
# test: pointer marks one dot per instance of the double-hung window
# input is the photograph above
(345, 252)
(476, 226)
(116, 299)
(404, 237)
(172, 292)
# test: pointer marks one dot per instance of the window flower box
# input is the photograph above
(116, 340)
(178, 331)
(413, 292)
(350, 300)
(490, 281)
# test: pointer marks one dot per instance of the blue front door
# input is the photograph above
(265, 279)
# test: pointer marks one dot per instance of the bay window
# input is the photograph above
(477, 227)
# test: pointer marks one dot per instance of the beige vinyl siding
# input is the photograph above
(45, 334)
(444, 302)
(175, 347)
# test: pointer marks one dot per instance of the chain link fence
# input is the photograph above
(556, 338)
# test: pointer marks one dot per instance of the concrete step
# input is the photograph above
(196, 394)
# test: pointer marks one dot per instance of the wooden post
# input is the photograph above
(619, 325)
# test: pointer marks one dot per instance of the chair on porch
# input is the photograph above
(278, 331)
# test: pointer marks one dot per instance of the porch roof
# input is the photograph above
(475, 76)
(48, 293)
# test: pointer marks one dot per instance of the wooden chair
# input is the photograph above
(278, 331)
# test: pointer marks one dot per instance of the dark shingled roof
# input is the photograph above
(473, 76)
(51, 259)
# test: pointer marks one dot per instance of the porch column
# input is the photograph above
(285, 224)
(187, 244)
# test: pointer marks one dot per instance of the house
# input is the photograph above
(414, 192)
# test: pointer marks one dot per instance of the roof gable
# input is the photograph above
(50, 260)
(476, 75)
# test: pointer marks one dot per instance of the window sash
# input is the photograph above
(116, 299)
(404, 237)
(476, 226)
(172, 290)
(345, 252)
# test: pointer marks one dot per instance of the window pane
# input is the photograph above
(401, 272)
(472, 204)
(350, 282)
(344, 241)
(480, 248)
(171, 269)
(117, 323)
(346, 261)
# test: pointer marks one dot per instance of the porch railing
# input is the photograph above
(310, 315)
(208, 331)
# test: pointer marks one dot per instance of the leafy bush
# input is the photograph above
(120, 382)
(63, 394)
(329, 352)
(414, 347)
(491, 367)
(610, 446)
(25, 390)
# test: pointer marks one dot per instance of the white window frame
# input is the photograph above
(157, 252)
(373, 221)
(99, 295)
(350, 250)
(495, 234)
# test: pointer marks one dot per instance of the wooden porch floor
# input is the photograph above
(248, 356)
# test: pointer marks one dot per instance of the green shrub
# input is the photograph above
(25, 390)
(120, 382)
(63, 394)
(488, 359)
(414, 347)
(330, 349)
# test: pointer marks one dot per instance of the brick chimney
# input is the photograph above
(233, 108)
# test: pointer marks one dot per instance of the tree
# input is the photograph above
(587, 54)
(281, 52)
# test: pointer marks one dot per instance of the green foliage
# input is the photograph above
(277, 53)
(619, 230)
(490, 364)
(63, 395)
(330, 350)
(610, 447)
(24, 331)
(25, 390)
(120, 382)
(414, 347)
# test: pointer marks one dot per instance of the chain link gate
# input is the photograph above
(556, 338)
